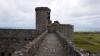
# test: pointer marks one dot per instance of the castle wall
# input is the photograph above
(15, 39)
(17, 33)
(8, 46)
(66, 29)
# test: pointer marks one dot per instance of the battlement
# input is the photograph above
(42, 9)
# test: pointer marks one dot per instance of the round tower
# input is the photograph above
(42, 18)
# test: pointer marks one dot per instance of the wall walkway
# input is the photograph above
(51, 46)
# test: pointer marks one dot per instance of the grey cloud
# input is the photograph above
(80, 13)
(91, 2)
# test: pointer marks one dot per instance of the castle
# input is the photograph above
(12, 40)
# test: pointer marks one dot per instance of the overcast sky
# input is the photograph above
(83, 14)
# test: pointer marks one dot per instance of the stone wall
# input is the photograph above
(17, 33)
(8, 46)
(66, 29)
(70, 49)
(31, 48)
(15, 39)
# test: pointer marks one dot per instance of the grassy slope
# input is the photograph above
(89, 41)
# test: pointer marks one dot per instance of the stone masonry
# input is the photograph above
(14, 39)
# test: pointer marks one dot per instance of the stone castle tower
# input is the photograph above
(42, 18)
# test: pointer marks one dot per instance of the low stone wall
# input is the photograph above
(68, 45)
(88, 53)
(16, 33)
(31, 48)
(93, 54)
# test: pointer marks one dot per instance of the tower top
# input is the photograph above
(42, 8)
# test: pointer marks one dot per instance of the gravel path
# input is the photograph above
(51, 46)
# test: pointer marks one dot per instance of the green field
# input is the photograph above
(89, 41)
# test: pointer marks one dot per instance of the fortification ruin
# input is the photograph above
(14, 39)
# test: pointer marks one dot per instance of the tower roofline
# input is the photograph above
(42, 8)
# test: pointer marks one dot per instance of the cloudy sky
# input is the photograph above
(83, 14)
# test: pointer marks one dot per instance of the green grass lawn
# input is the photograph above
(89, 41)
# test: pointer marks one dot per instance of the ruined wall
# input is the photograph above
(31, 47)
(42, 18)
(16, 33)
(8, 46)
(15, 39)
(66, 29)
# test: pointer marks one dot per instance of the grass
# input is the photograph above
(89, 41)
